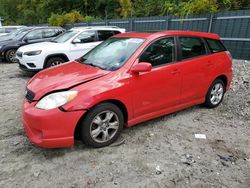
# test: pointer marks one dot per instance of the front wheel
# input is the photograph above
(215, 94)
(102, 125)
(54, 61)
(10, 56)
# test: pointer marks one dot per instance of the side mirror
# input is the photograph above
(75, 41)
(26, 40)
(141, 67)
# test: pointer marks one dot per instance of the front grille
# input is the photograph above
(19, 54)
(29, 95)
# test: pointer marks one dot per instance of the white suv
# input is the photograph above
(68, 46)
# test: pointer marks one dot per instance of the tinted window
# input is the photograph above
(116, 32)
(191, 47)
(103, 35)
(34, 35)
(159, 52)
(86, 36)
(215, 45)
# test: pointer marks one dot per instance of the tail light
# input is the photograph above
(229, 55)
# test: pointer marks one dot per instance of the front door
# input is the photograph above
(158, 89)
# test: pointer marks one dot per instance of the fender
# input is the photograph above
(55, 55)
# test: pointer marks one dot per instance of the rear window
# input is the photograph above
(215, 45)
(191, 47)
(116, 32)
(104, 34)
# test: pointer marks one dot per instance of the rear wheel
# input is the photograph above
(102, 125)
(215, 94)
(54, 61)
(10, 56)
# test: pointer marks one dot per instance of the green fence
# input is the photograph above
(233, 27)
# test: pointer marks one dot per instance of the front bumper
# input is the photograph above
(30, 63)
(25, 68)
(49, 128)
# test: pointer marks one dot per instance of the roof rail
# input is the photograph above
(89, 27)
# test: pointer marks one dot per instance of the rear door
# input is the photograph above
(194, 61)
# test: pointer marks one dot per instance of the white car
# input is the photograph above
(68, 46)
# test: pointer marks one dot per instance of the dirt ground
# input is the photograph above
(159, 153)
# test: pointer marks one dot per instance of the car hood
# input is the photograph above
(10, 42)
(40, 46)
(62, 77)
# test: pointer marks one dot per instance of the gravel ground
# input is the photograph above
(159, 153)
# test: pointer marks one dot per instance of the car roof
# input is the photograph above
(168, 33)
(96, 28)
(13, 26)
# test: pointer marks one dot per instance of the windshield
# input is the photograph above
(2, 30)
(112, 53)
(20, 34)
(65, 36)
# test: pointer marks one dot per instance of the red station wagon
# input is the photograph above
(128, 79)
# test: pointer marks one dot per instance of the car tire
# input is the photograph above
(215, 94)
(10, 56)
(54, 61)
(102, 125)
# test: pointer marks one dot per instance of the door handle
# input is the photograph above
(175, 71)
(209, 64)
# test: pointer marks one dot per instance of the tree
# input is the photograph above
(126, 8)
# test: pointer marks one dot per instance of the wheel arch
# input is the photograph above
(61, 55)
(116, 102)
(223, 78)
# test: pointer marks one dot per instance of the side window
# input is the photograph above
(116, 32)
(34, 35)
(191, 47)
(86, 36)
(215, 45)
(48, 33)
(103, 35)
(159, 52)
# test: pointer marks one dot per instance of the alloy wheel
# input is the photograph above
(216, 93)
(104, 126)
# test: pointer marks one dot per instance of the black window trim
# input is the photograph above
(209, 48)
(97, 36)
(179, 58)
(175, 51)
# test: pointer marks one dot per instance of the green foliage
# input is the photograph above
(65, 18)
(126, 8)
(198, 7)
(91, 18)
(60, 12)
(56, 20)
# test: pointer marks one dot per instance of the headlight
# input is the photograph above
(55, 100)
(31, 53)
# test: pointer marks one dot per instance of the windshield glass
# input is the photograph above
(112, 53)
(20, 35)
(2, 30)
(65, 36)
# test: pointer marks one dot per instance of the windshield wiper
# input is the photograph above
(94, 65)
